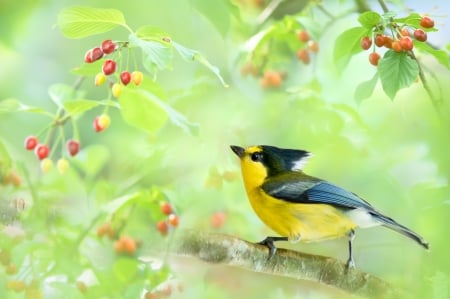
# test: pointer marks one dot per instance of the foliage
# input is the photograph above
(96, 228)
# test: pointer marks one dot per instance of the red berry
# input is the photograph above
(41, 151)
(93, 54)
(162, 227)
(373, 58)
(396, 46)
(166, 208)
(173, 220)
(31, 142)
(379, 40)
(406, 43)
(303, 36)
(427, 22)
(303, 56)
(101, 122)
(73, 147)
(125, 77)
(108, 46)
(88, 56)
(97, 53)
(366, 42)
(420, 35)
(109, 67)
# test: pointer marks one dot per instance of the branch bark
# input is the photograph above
(223, 249)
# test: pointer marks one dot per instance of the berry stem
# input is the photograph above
(383, 6)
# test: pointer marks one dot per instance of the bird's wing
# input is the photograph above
(298, 191)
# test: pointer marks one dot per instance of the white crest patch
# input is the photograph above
(300, 163)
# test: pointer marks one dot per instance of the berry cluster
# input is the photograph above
(42, 152)
(399, 41)
(126, 245)
(31, 289)
(270, 78)
(122, 245)
(110, 65)
(172, 220)
(308, 46)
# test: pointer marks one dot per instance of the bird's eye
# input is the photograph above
(257, 157)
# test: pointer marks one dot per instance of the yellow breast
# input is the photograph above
(307, 222)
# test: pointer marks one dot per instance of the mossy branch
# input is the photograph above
(231, 251)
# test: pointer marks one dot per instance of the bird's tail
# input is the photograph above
(392, 224)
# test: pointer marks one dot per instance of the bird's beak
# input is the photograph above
(239, 151)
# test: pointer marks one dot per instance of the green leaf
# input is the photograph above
(60, 93)
(125, 269)
(396, 71)
(157, 56)
(144, 109)
(140, 110)
(9, 105)
(413, 20)
(193, 55)
(80, 21)
(369, 19)
(365, 89)
(88, 69)
(440, 55)
(117, 203)
(13, 105)
(150, 33)
(218, 14)
(79, 106)
(92, 159)
(5, 159)
(347, 44)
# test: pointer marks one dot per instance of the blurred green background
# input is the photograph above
(395, 154)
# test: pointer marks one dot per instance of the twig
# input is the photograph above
(231, 251)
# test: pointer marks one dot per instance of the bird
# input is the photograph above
(300, 207)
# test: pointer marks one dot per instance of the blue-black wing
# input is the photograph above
(301, 190)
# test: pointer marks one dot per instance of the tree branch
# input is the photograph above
(223, 249)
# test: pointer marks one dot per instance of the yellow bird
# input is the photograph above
(302, 207)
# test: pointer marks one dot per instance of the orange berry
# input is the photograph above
(405, 32)
(366, 42)
(166, 208)
(406, 43)
(427, 22)
(396, 46)
(137, 77)
(271, 79)
(303, 56)
(162, 227)
(313, 46)
(218, 219)
(174, 220)
(374, 57)
(128, 244)
(303, 36)
(388, 42)
(379, 40)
